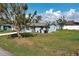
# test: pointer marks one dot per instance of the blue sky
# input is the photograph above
(56, 10)
(42, 7)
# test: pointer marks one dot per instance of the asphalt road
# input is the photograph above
(5, 53)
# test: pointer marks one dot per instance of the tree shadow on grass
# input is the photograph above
(23, 35)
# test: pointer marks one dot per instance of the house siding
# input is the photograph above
(52, 28)
(71, 27)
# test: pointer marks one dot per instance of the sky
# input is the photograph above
(53, 11)
(41, 7)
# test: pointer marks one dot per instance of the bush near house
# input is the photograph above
(65, 42)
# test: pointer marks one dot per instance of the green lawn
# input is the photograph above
(63, 42)
(5, 31)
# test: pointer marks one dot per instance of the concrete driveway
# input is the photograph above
(2, 51)
(5, 53)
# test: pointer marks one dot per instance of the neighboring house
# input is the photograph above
(71, 25)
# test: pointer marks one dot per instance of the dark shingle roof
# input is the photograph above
(37, 24)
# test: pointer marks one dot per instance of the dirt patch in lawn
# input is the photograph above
(24, 41)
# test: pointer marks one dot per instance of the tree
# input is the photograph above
(61, 22)
(32, 20)
(14, 13)
(38, 18)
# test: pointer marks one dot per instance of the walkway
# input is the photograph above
(5, 53)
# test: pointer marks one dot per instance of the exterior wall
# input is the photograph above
(37, 29)
(26, 30)
(71, 27)
(52, 29)
(29, 29)
(6, 27)
(1, 28)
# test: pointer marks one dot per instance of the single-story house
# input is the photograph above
(71, 25)
(40, 28)
(33, 27)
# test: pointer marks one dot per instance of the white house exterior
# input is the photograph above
(6, 27)
(40, 27)
(53, 28)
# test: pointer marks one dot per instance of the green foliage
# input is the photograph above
(61, 22)
(14, 13)
(38, 18)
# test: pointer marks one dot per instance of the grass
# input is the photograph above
(5, 31)
(65, 42)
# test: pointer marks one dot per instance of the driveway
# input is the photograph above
(2, 51)
(5, 53)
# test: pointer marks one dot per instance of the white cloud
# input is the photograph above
(49, 11)
(51, 15)
(58, 14)
(70, 13)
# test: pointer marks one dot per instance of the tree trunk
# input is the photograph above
(33, 29)
(61, 27)
(18, 31)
